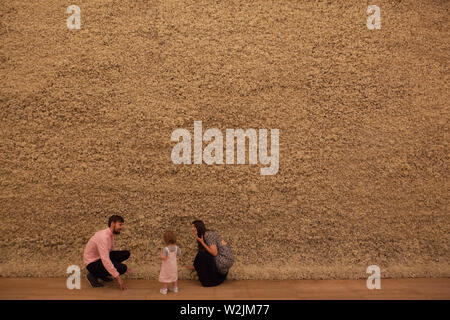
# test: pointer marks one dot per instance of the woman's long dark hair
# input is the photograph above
(201, 229)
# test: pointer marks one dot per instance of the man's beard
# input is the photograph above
(116, 232)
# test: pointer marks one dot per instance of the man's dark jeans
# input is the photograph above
(117, 257)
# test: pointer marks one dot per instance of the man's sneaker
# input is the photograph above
(163, 291)
(174, 289)
(93, 281)
(106, 279)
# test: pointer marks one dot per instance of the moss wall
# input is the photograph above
(87, 115)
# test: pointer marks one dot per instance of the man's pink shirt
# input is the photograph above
(98, 247)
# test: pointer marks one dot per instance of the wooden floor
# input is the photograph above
(55, 288)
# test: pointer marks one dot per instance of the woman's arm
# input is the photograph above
(212, 249)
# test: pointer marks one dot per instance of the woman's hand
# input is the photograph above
(190, 268)
(201, 240)
(211, 249)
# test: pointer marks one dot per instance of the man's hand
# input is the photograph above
(190, 268)
(121, 283)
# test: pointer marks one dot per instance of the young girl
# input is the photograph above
(169, 270)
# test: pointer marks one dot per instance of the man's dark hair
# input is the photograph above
(115, 218)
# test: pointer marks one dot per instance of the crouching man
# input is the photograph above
(100, 257)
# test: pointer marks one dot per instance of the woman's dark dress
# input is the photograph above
(207, 266)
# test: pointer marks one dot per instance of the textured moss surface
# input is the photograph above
(86, 119)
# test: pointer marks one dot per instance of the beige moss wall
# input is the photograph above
(87, 115)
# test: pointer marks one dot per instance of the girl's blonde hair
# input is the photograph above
(170, 237)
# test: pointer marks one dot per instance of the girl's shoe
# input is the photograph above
(174, 289)
(163, 290)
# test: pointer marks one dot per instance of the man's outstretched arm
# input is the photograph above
(107, 263)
